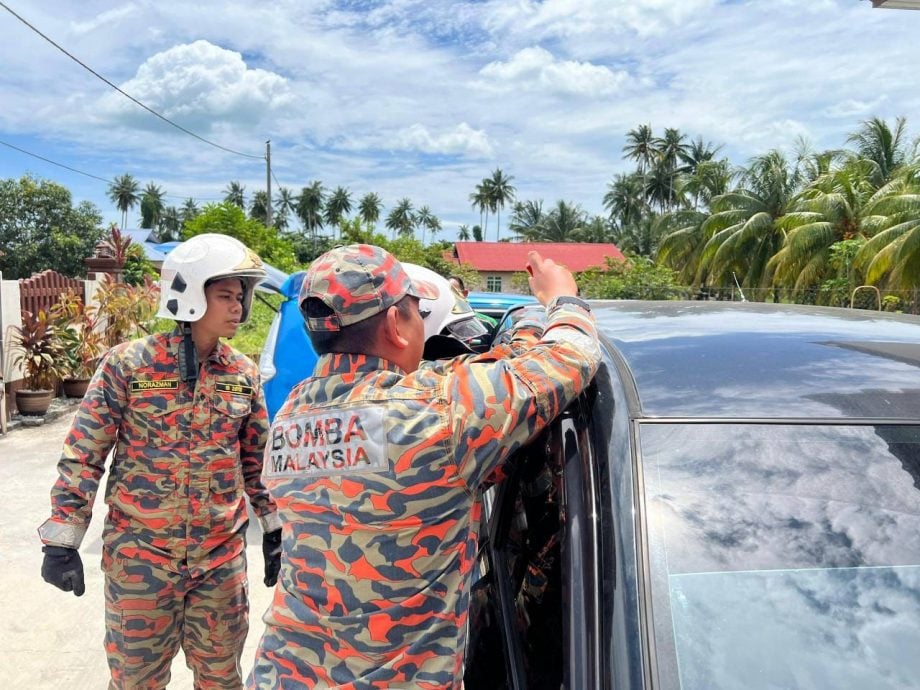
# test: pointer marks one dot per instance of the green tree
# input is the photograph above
(884, 146)
(463, 233)
(426, 220)
(891, 257)
(285, 205)
(500, 192)
(40, 228)
(310, 208)
(400, 220)
(833, 208)
(563, 223)
(123, 191)
(369, 209)
(189, 210)
(258, 209)
(482, 199)
(338, 205)
(625, 199)
(527, 219)
(637, 277)
(743, 233)
(170, 224)
(153, 204)
(235, 193)
(229, 219)
(640, 147)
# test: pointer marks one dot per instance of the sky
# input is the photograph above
(424, 98)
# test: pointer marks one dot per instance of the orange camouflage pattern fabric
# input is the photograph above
(356, 282)
(184, 459)
(377, 556)
(148, 619)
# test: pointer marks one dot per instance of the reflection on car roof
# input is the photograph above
(748, 360)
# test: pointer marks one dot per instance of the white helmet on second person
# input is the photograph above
(449, 314)
(198, 261)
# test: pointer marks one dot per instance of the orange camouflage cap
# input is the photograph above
(356, 282)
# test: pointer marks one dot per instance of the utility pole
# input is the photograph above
(268, 182)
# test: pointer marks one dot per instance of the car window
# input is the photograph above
(783, 556)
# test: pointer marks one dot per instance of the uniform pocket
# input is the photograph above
(155, 420)
(228, 412)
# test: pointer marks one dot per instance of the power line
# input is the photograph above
(123, 93)
(60, 165)
(95, 177)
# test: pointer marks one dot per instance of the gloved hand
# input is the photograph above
(63, 568)
(271, 551)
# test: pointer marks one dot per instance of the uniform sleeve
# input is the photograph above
(253, 435)
(498, 406)
(86, 447)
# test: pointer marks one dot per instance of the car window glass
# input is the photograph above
(783, 555)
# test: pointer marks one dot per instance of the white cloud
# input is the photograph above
(461, 140)
(536, 68)
(113, 16)
(197, 85)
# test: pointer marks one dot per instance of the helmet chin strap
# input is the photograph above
(188, 356)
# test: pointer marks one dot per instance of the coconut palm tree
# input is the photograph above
(369, 209)
(338, 205)
(285, 205)
(640, 147)
(743, 233)
(527, 219)
(123, 191)
(682, 244)
(707, 180)
(884, 146)
(426, 220)
(258, 209)
(463, 233)
(235, 193)
(152, 206)
(309, 208)
(833, 208)
(189, 210)
(400, 220)
(892, 254)
(482, 199)
(170, 224)
(500, 192)
(625, 199)
(564, 223)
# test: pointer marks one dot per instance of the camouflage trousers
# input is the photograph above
(150, 613)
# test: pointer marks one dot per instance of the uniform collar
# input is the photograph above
(220, 354)
(348, 363)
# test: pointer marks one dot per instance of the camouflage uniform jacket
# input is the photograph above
(377, 477)
(182, 459)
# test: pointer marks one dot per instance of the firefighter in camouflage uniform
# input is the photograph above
(376, 464)
(184, 418)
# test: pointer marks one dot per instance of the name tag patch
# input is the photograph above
(235, 388)
(327, 443)
(157, 385)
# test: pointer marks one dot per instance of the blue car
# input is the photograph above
(288, 357)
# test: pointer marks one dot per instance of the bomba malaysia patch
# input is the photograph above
(327, 443)
(235, 388)
(154, 385)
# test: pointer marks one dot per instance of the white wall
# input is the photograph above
(10, 316)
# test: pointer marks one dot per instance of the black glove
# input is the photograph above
(63, 568)
(271, 551)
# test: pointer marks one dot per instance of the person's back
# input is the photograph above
(376, 468)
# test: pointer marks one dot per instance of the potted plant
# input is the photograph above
(82, 342)
(38, 352)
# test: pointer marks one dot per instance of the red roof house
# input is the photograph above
(498, 261)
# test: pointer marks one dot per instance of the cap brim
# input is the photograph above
(424, 290)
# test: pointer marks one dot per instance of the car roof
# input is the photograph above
(760, 361)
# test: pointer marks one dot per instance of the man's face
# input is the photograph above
(225, 308)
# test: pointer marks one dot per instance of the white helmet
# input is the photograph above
(448, 314)
(199, 260)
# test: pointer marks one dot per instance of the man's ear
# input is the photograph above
(394, 329)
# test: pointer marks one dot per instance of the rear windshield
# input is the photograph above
(784, 556)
